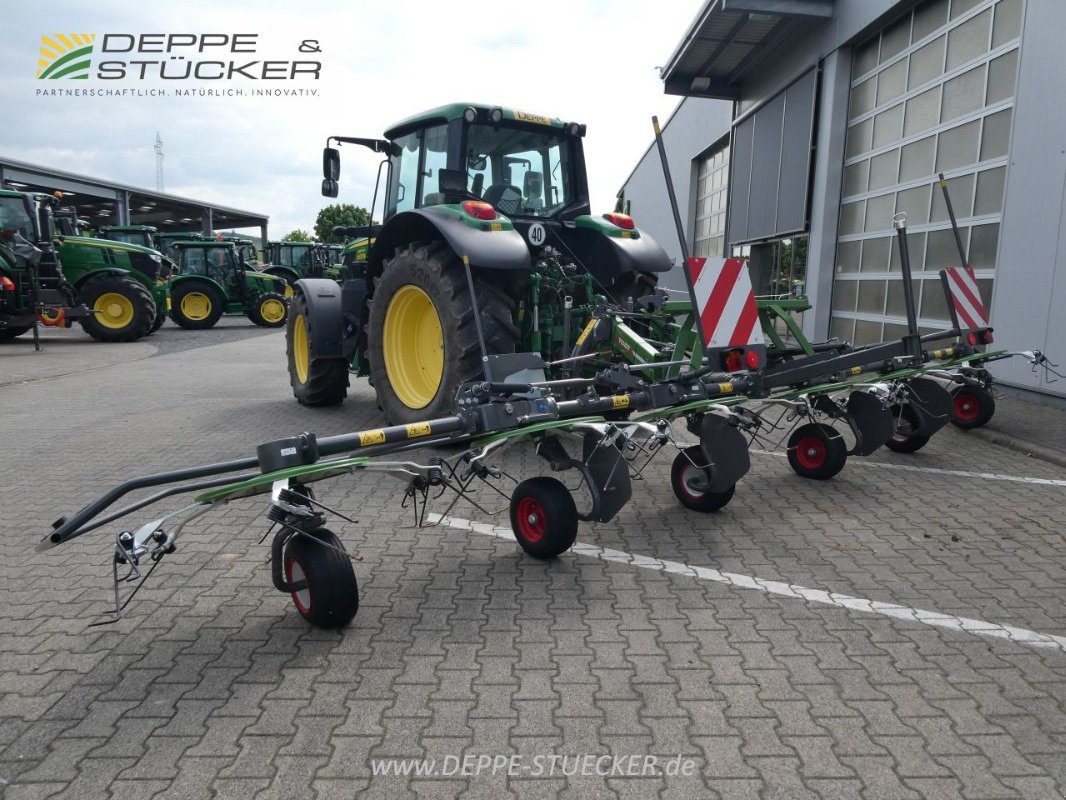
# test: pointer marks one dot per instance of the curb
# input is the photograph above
(1021, 446)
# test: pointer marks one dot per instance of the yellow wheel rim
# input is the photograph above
(413, 346)
(272, 310)
(196, 306)
(288, 291)
(301, 353)
(113, 310)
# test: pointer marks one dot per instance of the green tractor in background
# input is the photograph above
(165, 240)
(212, 280)
(295, 260)
(246, 249)
(143, 235)
(125, 285)
(33, 288)
(502, 191)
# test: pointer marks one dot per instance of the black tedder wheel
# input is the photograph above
(123, 309)
(196, 305)
(315, 382)
(905, 440)
(269, 310)
(972, 407)
(689, 482)
(422, 335)
(816, 451)
(543, 517)
(332, 594)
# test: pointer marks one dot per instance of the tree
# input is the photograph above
(344, 214)
(298, 235)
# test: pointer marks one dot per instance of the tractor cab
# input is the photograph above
(246, 250)
(165, 241)
(67, 222)
(142, 235)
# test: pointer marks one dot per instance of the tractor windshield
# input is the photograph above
(298, 256)
(143, 238)
(15, 217)
(519, 170)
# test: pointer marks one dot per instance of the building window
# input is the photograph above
(931, 92)
(712, 186)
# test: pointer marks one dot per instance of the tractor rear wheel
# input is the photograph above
(543, 517)
(318, 559)
(7, 334)
(816, 451)
(690, 480)
(422, 332)
(196, 305)
(315, 382)
(160, 318)
(123, 309)
(269, 310)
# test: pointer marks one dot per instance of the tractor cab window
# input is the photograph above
(518, 170)
(435, 141)
(403, 184)
(143, 238)
(193, 261)
(14, 217)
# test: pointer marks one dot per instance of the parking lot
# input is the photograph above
(897, 632)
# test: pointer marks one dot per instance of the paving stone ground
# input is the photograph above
(212, 686)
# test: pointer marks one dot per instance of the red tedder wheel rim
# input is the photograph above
(967, 406)
(810, 452)
(530, 518)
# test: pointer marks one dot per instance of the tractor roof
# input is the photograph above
(150, 228)
(455, 111)
(202, 243)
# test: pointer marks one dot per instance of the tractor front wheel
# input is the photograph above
(123, 309)
(543, 517)
(331, 595)
(972, 407)
(315, 382)
(690, 480)
(816, 451)
(269, 310)
(422, 335)
(195, 305)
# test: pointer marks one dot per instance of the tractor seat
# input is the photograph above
(504, 197)
(533, 189)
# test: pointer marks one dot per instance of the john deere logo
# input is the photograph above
(65, 55)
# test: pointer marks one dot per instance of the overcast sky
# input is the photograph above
(593, 61)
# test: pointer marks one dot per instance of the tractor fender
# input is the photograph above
(105, 272)
(288, 274)
(325, 316)
(609, 257)
(200, 279)
(487, 249)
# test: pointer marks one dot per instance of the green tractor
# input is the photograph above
(125, 285)
(33, 287)
(246, 249)
(481, 202)
(143, 235)
(165, 240)
(295, 260)
(212, 280)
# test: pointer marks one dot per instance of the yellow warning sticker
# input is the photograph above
(856, 370)
(525, 116)
(371, 437)
(496, 226)
(620, 401)
(416, 429)
(725, 388)
(588, 329)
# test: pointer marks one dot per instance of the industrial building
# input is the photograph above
(806, 125)
(104, 202)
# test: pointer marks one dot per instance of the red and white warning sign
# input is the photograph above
(966, 298)
(722, 291)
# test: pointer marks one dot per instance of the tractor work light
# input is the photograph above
(479, 209)
(575, 129)
(470, 115)
(496, 115)
(623, 221)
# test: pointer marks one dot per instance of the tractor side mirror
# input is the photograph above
(362, 231)
(337, 231)
(330, 188)
(331, 164)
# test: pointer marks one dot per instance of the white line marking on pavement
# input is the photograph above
(990, 476)
(935, 618)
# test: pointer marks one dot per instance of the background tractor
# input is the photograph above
(212, 280)
(502, 191)
(295, 260)
(125, 285)
(246, 249)
(33, 287)
(165, 240)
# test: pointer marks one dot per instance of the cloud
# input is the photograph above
(584, 60)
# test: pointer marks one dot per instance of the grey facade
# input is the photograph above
(905, 90)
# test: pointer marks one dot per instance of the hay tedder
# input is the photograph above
(493, 311)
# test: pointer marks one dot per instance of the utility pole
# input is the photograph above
(158, 163)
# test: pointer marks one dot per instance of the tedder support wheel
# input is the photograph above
(543, 517)
(905, 440)
(269, 310)
(123, 309)
(816, 451)
(332, 594)
(318, 382)
(422, 335)
(689, 478)
(196, 305)
(972, 407)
